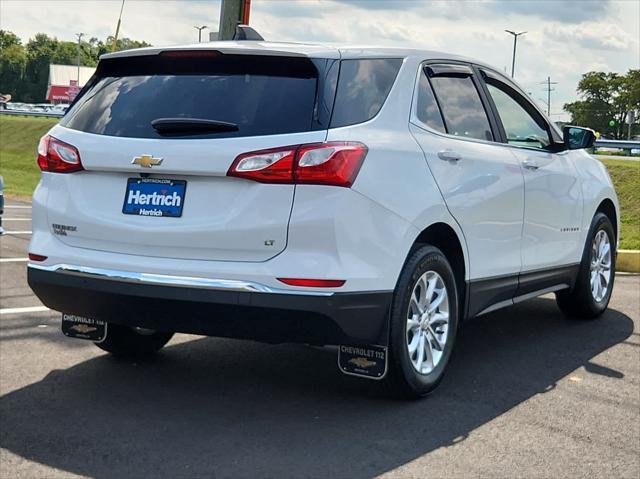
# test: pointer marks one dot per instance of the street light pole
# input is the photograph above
(200, 32)
(515, 43)
(79, 35)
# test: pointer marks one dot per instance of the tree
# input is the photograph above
(13, 61)
(8, 39)
(122, 44)
(24, 69)
(606, 97)
(40, 50)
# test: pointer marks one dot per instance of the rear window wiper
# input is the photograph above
(191, 126)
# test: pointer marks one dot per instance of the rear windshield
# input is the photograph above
(262, 95)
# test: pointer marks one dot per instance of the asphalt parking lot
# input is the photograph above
(528, 394)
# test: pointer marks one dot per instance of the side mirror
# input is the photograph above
(577, 138)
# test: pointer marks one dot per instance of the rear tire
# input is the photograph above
(423, 324)
(123, 341)
(590, 296)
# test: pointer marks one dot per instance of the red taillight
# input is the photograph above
(266, 166)
(57, 156)
(335, 163)
(313, 283)
(36, 257)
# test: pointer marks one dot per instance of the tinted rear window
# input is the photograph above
(362, 89)
(427, 109)
(461, 107)
(262, 95)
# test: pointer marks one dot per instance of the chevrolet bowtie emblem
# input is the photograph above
(82, 328)
(362, 362)
(146, 161)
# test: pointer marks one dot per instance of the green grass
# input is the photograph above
(625, 175)
(19, 139)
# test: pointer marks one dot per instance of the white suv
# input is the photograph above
(368, 198)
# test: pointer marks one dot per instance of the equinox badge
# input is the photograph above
(146, 161)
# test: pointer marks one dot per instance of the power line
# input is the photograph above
(114, 46)
(548, 83)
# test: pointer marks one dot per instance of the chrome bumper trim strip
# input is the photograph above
(170, 280)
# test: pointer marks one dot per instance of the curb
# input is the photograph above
(628, 260)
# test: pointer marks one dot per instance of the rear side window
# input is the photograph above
(363, 87)
(262, 95)
(461, 107)
(427, 109)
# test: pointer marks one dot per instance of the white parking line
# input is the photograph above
(25, 232)
(28, 309)
(18, 207)
(14, 260)
(16, 219)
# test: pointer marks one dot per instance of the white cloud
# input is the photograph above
(592, 35)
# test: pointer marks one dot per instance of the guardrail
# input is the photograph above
(31, 113)
(622, 144)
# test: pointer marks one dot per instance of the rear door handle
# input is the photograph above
(530, 164)
(449, 155)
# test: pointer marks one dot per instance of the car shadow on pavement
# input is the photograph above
(223, 408)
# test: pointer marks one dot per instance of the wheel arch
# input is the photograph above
(447, 239)
(607, 207)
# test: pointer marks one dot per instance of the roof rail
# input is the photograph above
(245, 32)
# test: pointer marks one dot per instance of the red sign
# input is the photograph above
(73, 90)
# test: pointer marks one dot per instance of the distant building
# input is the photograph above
(64, 83)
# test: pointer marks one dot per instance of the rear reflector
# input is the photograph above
(313, 283)
(36, 257)
(334, 163)
(57, 156)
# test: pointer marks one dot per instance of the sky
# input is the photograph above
(564, 38)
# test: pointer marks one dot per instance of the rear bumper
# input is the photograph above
(234, 309)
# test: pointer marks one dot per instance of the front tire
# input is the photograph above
(590, 296)
(123, 341)
(424, 322)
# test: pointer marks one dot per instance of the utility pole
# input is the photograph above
(114, 46)
(200, 32)
(515, 43)
(79, 35)
(549, 90)
(233, 13)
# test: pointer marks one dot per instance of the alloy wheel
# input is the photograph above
(600, 267)
(427, 322)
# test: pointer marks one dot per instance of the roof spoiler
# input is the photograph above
(245, 32)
